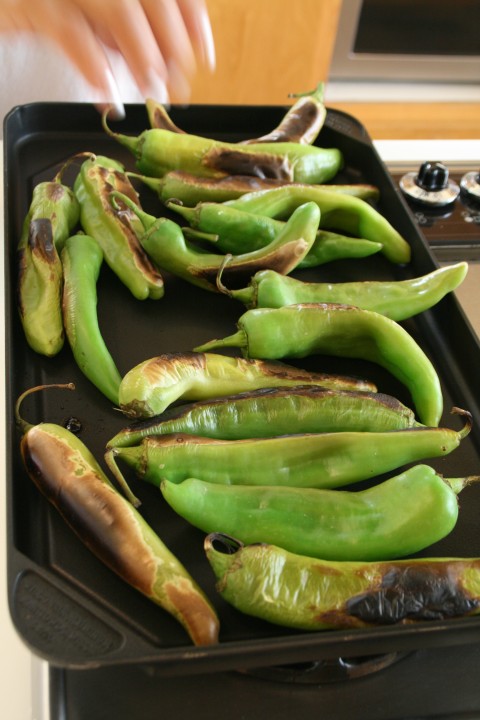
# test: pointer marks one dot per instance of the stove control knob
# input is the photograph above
(430, 186)
(470, 183)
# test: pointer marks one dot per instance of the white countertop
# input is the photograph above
(22, 676)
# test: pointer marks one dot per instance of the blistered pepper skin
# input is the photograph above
(305, 593)
(65, 471)
(296, 331)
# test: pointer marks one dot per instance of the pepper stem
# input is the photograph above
(468, 421)
(459, 484)
(22, 424)
(119, 477)
(126, 140)
(238, 339)
(146, 219)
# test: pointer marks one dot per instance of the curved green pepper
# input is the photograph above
(116, 229)
(164, 241)
(394, 518)
(82, 259)
(66, 472)
(157, 151)
(151, 386)
(312, 460)
(275, 411)
(296, 331)
(309, 594)
(235, 231)
(51, 217)
(191, 189)
(339, 212)
(397, 299)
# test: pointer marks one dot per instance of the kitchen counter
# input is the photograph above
(23, 676)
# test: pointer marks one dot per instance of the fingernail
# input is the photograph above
(178, 82)
(156, 87)
(113, 99)
(208, 43)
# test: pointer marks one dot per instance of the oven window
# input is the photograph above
(419, 27)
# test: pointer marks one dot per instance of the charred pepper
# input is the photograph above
(66, 472)
(312, 460)
(157, 151)
(295, 331)
(52, 215)
(151, 386)
(116, 228)
(164, 241)
(275, 411)
(305, 593)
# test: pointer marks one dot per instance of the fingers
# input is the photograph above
(199, 29)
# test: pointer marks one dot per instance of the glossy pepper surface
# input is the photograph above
(154, 384)
(236, 231)
(66, 472)
(312, 460)
(275, 411)
(295, 331)
(340, 212)
(157, 151)
(305, 593)
(397, 517)
(164, 241)
(397, 299)
(82, 259)
(116, 228)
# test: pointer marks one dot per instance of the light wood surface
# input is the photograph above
(429, 121)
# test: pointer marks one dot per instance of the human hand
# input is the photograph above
(161, 41)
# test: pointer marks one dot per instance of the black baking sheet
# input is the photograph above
(65, 604)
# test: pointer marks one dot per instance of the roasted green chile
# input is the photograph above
(151, 386)
(82, 260)
(295, 331)
(164, 241)
(158, 151)
(394, 518)
(340, 212)
(51, 217)
(275, 411)
(191, 189)
(116, 228)
(397, 299)
(235, 231)
(305, 593)
(66, 472)
(312, 460)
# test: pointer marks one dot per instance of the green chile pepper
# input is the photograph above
(394, 518)
(164, 241)
(235, 231)
(397, 299)
(275, 411)
(157, 151)
(82, 259)
(302, 122)
(39, 293)
(66, 472)
(116, 229)
(311, 460)
(305, 593)
(51, 217)
(340, 212)
(191, 189)
(295, 331)
(151, 386)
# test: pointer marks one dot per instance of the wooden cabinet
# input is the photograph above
(267, 49)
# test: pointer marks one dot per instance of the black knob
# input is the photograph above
(432, 176)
